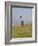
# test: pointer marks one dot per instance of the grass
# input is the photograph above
(22, 32)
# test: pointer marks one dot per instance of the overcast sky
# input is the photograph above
(26, 14)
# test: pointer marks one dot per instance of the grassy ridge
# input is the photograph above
(22, 32)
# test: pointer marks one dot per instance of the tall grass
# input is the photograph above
(22, 32)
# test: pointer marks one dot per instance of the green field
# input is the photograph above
(22, 32)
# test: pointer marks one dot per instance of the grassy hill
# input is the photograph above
(22, 32)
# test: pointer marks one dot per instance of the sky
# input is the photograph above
(26, 14)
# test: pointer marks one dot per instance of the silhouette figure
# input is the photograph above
(22, 22)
